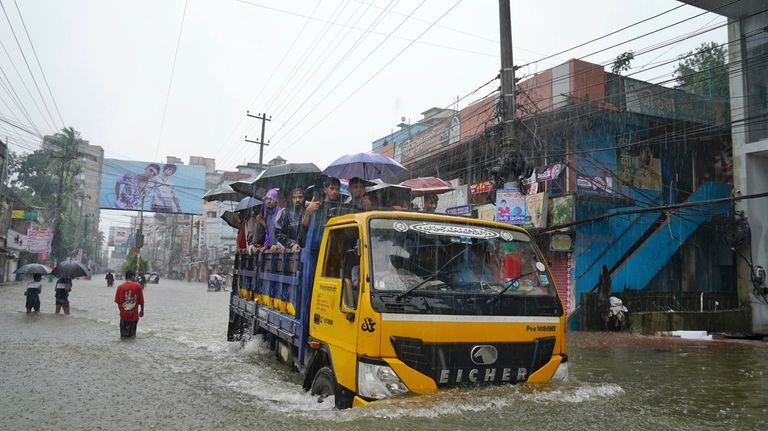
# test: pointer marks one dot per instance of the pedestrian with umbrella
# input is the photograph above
(62, 289)
(66, 271)
(110, 279)
(35, 286)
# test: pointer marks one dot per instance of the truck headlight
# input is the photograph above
(377, 381)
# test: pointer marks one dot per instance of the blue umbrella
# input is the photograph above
(246, 203)
(367, 166)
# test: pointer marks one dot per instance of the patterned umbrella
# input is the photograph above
(427, 186)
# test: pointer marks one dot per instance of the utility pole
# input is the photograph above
(59, 217)
(507, 76)
(264, 119)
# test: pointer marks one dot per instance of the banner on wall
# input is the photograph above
(536, 208)
(510, 206)
(16, 241)
(39, 240)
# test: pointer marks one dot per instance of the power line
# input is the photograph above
(21, 50)
(170, 82)
(375, 74)
(42, 72)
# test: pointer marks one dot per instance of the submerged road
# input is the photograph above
(74, 372)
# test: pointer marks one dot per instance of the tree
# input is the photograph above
(47, 181)
(130, 263)
(704, 71)
(622, 62)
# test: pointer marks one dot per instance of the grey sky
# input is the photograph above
(109, 66)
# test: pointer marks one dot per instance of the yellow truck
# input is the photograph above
(383, 304)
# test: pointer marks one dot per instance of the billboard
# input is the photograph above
(152, 186)
(118, 236)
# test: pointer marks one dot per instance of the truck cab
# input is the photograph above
(409, 303)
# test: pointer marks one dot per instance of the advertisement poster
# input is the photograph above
(39, 240)
(560, 210)
(536, 206)
(152, 186)
(510, 206)
(16, 241)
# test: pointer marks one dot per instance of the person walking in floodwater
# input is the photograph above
(62, 289)
(129, 298)
(34, 288)
(110, 279)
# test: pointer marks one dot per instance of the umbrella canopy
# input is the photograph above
(110, 270)
(427, 186)
(243, 186)
(32, 268)
(285, 177)
(246, 203)
(222, 193)
(367, 166)
(71, 269)
(231, 218)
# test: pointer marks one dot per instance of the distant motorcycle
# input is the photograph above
(618, 314)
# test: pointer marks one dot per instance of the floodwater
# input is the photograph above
(73, 372)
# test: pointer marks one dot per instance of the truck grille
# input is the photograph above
(456, 364)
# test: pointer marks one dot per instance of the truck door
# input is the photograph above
(334, 311)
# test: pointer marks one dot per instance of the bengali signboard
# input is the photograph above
(152, 186)
(39, 240)
(510, 206)
(591, 183)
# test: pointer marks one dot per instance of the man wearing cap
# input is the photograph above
(289, 227)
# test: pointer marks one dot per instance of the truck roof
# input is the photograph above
(361, 217)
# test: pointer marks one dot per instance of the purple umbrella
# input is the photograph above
(367, 166)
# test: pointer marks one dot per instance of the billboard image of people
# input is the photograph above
(152, 186)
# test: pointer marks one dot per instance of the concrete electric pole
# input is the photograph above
(264, 119)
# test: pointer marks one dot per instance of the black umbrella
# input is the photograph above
(110, 270)
(71, 269)
(222, 193)
(285, 177)
(32, 268)
(232, 218)
(243, 186)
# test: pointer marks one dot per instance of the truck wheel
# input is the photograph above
(324, 384)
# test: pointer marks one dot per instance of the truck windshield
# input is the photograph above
(421, 266)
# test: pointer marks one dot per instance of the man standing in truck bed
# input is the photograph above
(129, 298)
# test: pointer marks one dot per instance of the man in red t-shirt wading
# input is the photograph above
(129, 298)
